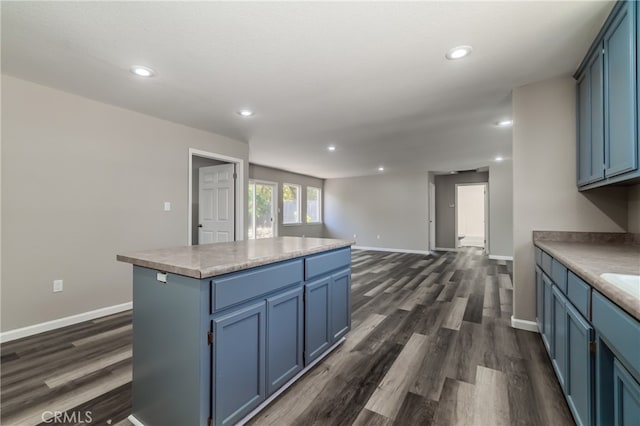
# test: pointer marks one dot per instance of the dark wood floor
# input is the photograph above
(430, 344)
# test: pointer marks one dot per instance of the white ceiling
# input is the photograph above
(369, 77)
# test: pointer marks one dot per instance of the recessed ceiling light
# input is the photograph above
(331, 148)
(458, 52)
(453, 172)
(504, 123)
(381, 169)
(245, 113)
(499, 158)
(141, 71)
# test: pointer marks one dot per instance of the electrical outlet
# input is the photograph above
(167, 206)
(57, 286)
(354, 236)
(378, 236)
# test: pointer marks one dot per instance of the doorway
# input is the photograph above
(262, 198)
(216, 194)
(471, 215)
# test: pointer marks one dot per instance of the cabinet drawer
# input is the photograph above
(538, 257)
(320, 264)
(228, 290)
(559, 275)
(579, 293)
(546, 263)
(621, 332)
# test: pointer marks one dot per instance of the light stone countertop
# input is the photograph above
(208, 260)
(590, 259)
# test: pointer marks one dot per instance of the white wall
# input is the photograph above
(81, 182)
(545, 196)
(391, 206)
(501, 209)
(471, 210)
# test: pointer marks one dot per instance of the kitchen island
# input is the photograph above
(219, 330)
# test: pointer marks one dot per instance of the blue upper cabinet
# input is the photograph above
(591, 121)
(620, 89)
(607, 98)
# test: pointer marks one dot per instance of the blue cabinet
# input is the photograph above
(216, 349)
(316, 318)
(539, 300)
(327, 312)
(340, 304)
(626, 397)
(284, 338)
(579, 383)
(567, 335)
(591, 121)
(607, 97)
(620, 92)
(547, 306)
(239, 363)
(559, 334)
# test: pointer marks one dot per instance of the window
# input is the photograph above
(291, 204)
(314, 205)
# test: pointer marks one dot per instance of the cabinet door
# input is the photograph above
(317, 318)
(539, 301)
(284, 338)
(626, 397)
(579, 373)
(340, 304)
(559, 334)
(591, 120)
(620, 93)
(546, 326)
(238, 363)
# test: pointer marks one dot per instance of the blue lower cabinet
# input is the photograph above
(239, 363)
(626, 397)
(340, 304)
(317, 318)
(284, 338)
(559, 334)
(579, 383)
(547, 320)
(539, 300)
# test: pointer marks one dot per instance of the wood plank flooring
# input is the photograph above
(430, 344)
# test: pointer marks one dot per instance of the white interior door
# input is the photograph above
(216, 218)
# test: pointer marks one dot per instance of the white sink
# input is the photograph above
(628, 283)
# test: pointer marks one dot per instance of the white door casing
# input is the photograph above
(432, 216)
(216, 214)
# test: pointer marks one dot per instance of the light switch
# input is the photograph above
(167, 206)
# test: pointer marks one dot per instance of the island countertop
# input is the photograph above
(590, 258)
(209, 260)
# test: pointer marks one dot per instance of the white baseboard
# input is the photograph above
(524, 324)
(135, 421)
(498, 257)
(19, 333)
(395, 250)
(446, 249)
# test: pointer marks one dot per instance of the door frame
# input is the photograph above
(485, 213)
(239, 192)
(275, 202)
(432, 214)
